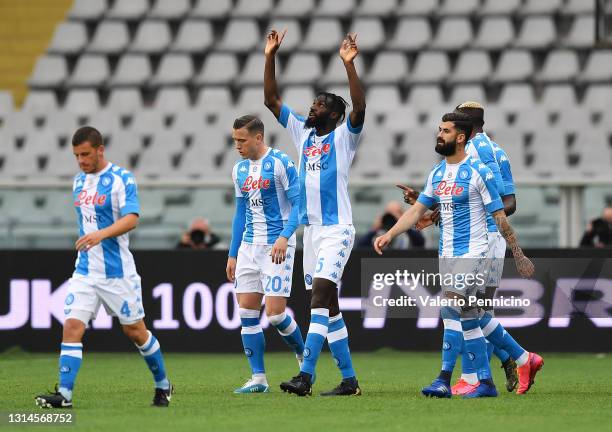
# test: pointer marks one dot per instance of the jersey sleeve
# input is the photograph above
(487, 156)
(237, 191)
(348, 136)
(426, 197)
(294, 123)
(485, 183)
(506, 173)
(128, 195)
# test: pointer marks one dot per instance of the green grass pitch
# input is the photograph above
(113, 392)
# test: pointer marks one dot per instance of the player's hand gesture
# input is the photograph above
(348, 48)
(88, 241)
(524, 266)
(279, 250)
(274, 40)
(381, 242)
(230, 269)
(410, 195)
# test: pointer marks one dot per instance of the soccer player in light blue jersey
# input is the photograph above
(502, 343)
(465, 191)
(326, 146)
(105, 198)
(262, 250)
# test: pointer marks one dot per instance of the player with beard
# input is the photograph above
(326, 145)
(465, 191)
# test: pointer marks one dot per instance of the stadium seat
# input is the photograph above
(293, 37)
(532, 119)
(470, 92)
(560, 66)
(147, 122)
(383, 98)
(132, 70)
(453, 34)
(593, 151)
(193, 37)
(252, 73)
(324, 34)
(40, 102)
(293, 9)
(388, 68)
(511, 140)
(252, 9)
(465, 7)
(111, 37)
(125, 101)
(214, 99)
(495, 33)
(537, 32)
(250, 100)
(198, 160)
(152, 37)
(379, 8)
(597, 97)
(128, 9)
(49, 71)
(598, 67)
(515, 97)
(422, 96)
(124, 142)
(218, 68)
(169, 10)
(581, 34)
(7, 104)
(419, 144)
(495, 119)
(61, 122)
(575, 7)
(370, 31)
(298, 96)
(189, 122)
(335, 73)
(573, 119)
(88, 9)
(540, 7)
(549, 150)
(429, 67)
(513, 66)
(558, 96)
(417, 7)
(91, 71)
(302, 68)
(411, 34)
(82, 101)
(241, 35)
(19, 123)
(61, 164)
(334, 8)
(472, 66)
(69, 38)
(499, 7)
(400, 120)
(171, 100)
(174, 69)
(105, 121)
(212, 9)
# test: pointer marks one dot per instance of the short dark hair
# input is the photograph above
(252, 123)
(335, 104)
(462, 122)
(474, 110)
(87, 133)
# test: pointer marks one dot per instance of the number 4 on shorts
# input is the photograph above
(125, 309)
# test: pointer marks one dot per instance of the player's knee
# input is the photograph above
(274, 311)
(136, 332)
(73, 330)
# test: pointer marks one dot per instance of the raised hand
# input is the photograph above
(274, 40)
(348, 48)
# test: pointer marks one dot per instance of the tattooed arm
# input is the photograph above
(523, 264)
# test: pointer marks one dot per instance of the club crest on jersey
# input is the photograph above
(251, 184)
(448, 189)
(105, 181)
(83, 198)
(313, 151)
(464, 174)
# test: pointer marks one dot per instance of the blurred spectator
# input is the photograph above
(393, 211)
(198, 236)
(599, 231)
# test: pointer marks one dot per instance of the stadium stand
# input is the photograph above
(164, 79)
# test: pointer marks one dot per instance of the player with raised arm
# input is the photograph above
(465, 191)
(106, 202)
(262, 249)
(326, 145)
